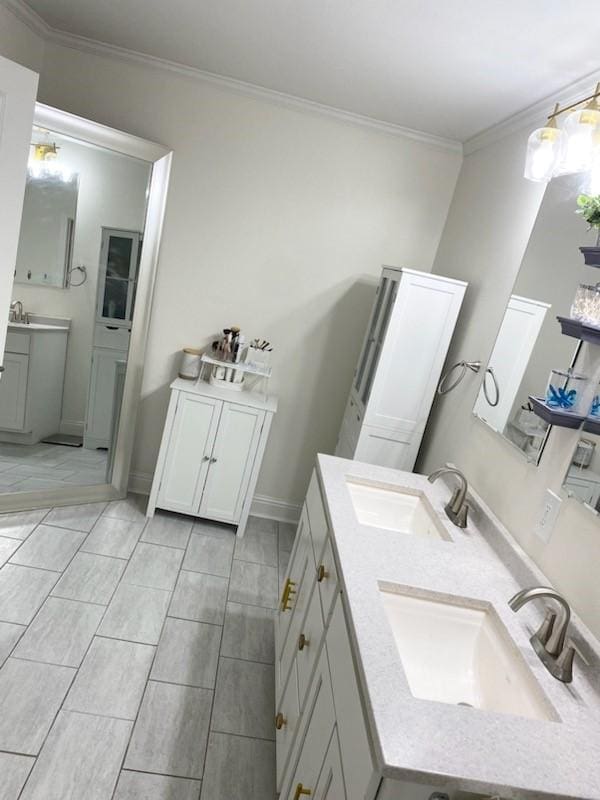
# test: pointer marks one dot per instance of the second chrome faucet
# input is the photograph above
(456, 509)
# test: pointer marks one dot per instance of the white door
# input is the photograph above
(18, 87)
(190, 446)
(231, 462)
(13, 391)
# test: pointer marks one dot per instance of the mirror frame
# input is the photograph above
(159, 158)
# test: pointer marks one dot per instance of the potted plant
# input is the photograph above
(589, 208)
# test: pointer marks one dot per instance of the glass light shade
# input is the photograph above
(581, 141)
(545, 149)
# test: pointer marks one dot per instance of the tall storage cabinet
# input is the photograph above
(211, 451)
(407, 339)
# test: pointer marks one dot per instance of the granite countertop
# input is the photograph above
(438, 743)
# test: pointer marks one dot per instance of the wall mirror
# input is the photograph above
(73, 359)
(582, 480)
(529, 343)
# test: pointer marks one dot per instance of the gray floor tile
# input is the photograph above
(256, 524)
(249, 633)
(113, 537)
(30, 696)
(199, 597)
(287, 534)
(257, 546)
(210, 554)
(90, 578)
(154, 566)
(171, 731)
(168, 529)
(111, 679)
(13, 774)
(36, 485)
(284, 560)
(42, 471)
(8, 478)
(206, 527)
(9, 636)
(245, 699)
(61, 632)
(22, 592)
(20, 524)
(132, 508)
(237, 767)
(143, 786)
(253, 584)
(188, 653)
(7, 548)
(48, 548)
(136, 613)
(76, 518)
(81, 759)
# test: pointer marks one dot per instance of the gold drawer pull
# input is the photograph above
(280, 721)
(288, 591)
(302, 642)
(322, 573)
(300, 790)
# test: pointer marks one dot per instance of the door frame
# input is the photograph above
(159, 157)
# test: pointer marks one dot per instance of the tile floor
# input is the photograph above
(25, 468)
(136, 658)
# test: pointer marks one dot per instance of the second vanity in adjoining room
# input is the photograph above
(402, 672)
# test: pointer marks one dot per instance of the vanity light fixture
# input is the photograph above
(43, 160)
(574, 148)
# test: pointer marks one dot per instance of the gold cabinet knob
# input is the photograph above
(302, 642)
(322, 573)
(280, 721)
(288, 591)
(300, 790)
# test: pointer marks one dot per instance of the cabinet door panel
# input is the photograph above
(190, 445)
(231, 462)
(319, 528)
(294, 575)
(13, 391)
(330, 785)
(98, 427)
(308, 647)
(287, 724)
(299, 601)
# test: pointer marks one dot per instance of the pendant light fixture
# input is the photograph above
(574, 148)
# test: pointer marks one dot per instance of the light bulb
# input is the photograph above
(580, 129)
(544, 152)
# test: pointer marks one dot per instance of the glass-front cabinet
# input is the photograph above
(119, 262)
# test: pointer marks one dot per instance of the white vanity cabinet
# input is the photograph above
(407, 339)
(211, 452)
(31, 387)
(111, 344)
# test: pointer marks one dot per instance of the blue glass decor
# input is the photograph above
(560, 398)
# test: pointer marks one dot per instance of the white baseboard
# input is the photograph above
(71, 427)
(262, 506)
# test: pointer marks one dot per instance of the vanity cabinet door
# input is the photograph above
(330, 785)
(99, 422)
(13, 391)
(286, 724)
(231, 462)
(189, 450)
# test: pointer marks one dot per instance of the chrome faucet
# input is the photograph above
(16, 312)
(456, 509)
(549, 640)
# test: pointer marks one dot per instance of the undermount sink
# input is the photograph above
(462, 655)
(395, 510)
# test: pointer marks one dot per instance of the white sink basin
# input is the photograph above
(462, 655)
(394, 509)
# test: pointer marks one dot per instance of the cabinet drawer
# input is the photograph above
(286, 724)
(330, 785)
(316, 516)
(111, 336)
(327, 580)
(300, 602)
(309, 642)
(17, 342)
(294, 576)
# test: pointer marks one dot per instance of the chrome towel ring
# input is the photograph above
(496, 387)
(474, 366)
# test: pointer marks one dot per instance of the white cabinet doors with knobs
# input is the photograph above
(211, 451)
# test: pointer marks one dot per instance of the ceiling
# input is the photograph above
(450, 68)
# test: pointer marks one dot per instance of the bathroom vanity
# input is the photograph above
(31, 388)
(401, 671)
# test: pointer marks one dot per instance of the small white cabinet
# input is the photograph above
(13, 391)
(211, 451)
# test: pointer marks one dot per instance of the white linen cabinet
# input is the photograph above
(211, 451)
(407, 339)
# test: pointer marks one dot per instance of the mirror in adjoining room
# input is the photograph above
(582, 480)
(529, 343)
(73, 305)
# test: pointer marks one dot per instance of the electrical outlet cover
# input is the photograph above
(548, 515)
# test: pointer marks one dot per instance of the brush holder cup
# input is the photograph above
(566, 391)
(258, 357)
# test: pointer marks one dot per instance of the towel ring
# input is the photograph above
(474, 366)
(496, 388)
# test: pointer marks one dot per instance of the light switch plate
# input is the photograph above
(548, 515)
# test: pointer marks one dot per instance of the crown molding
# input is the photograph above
(533, 116)
(30, 18)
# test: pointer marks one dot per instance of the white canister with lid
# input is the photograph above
(189, 369)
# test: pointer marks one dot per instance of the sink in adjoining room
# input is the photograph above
(462, 655)
(395, 509)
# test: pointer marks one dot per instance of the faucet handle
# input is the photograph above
(564, 664)
(544, 632)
